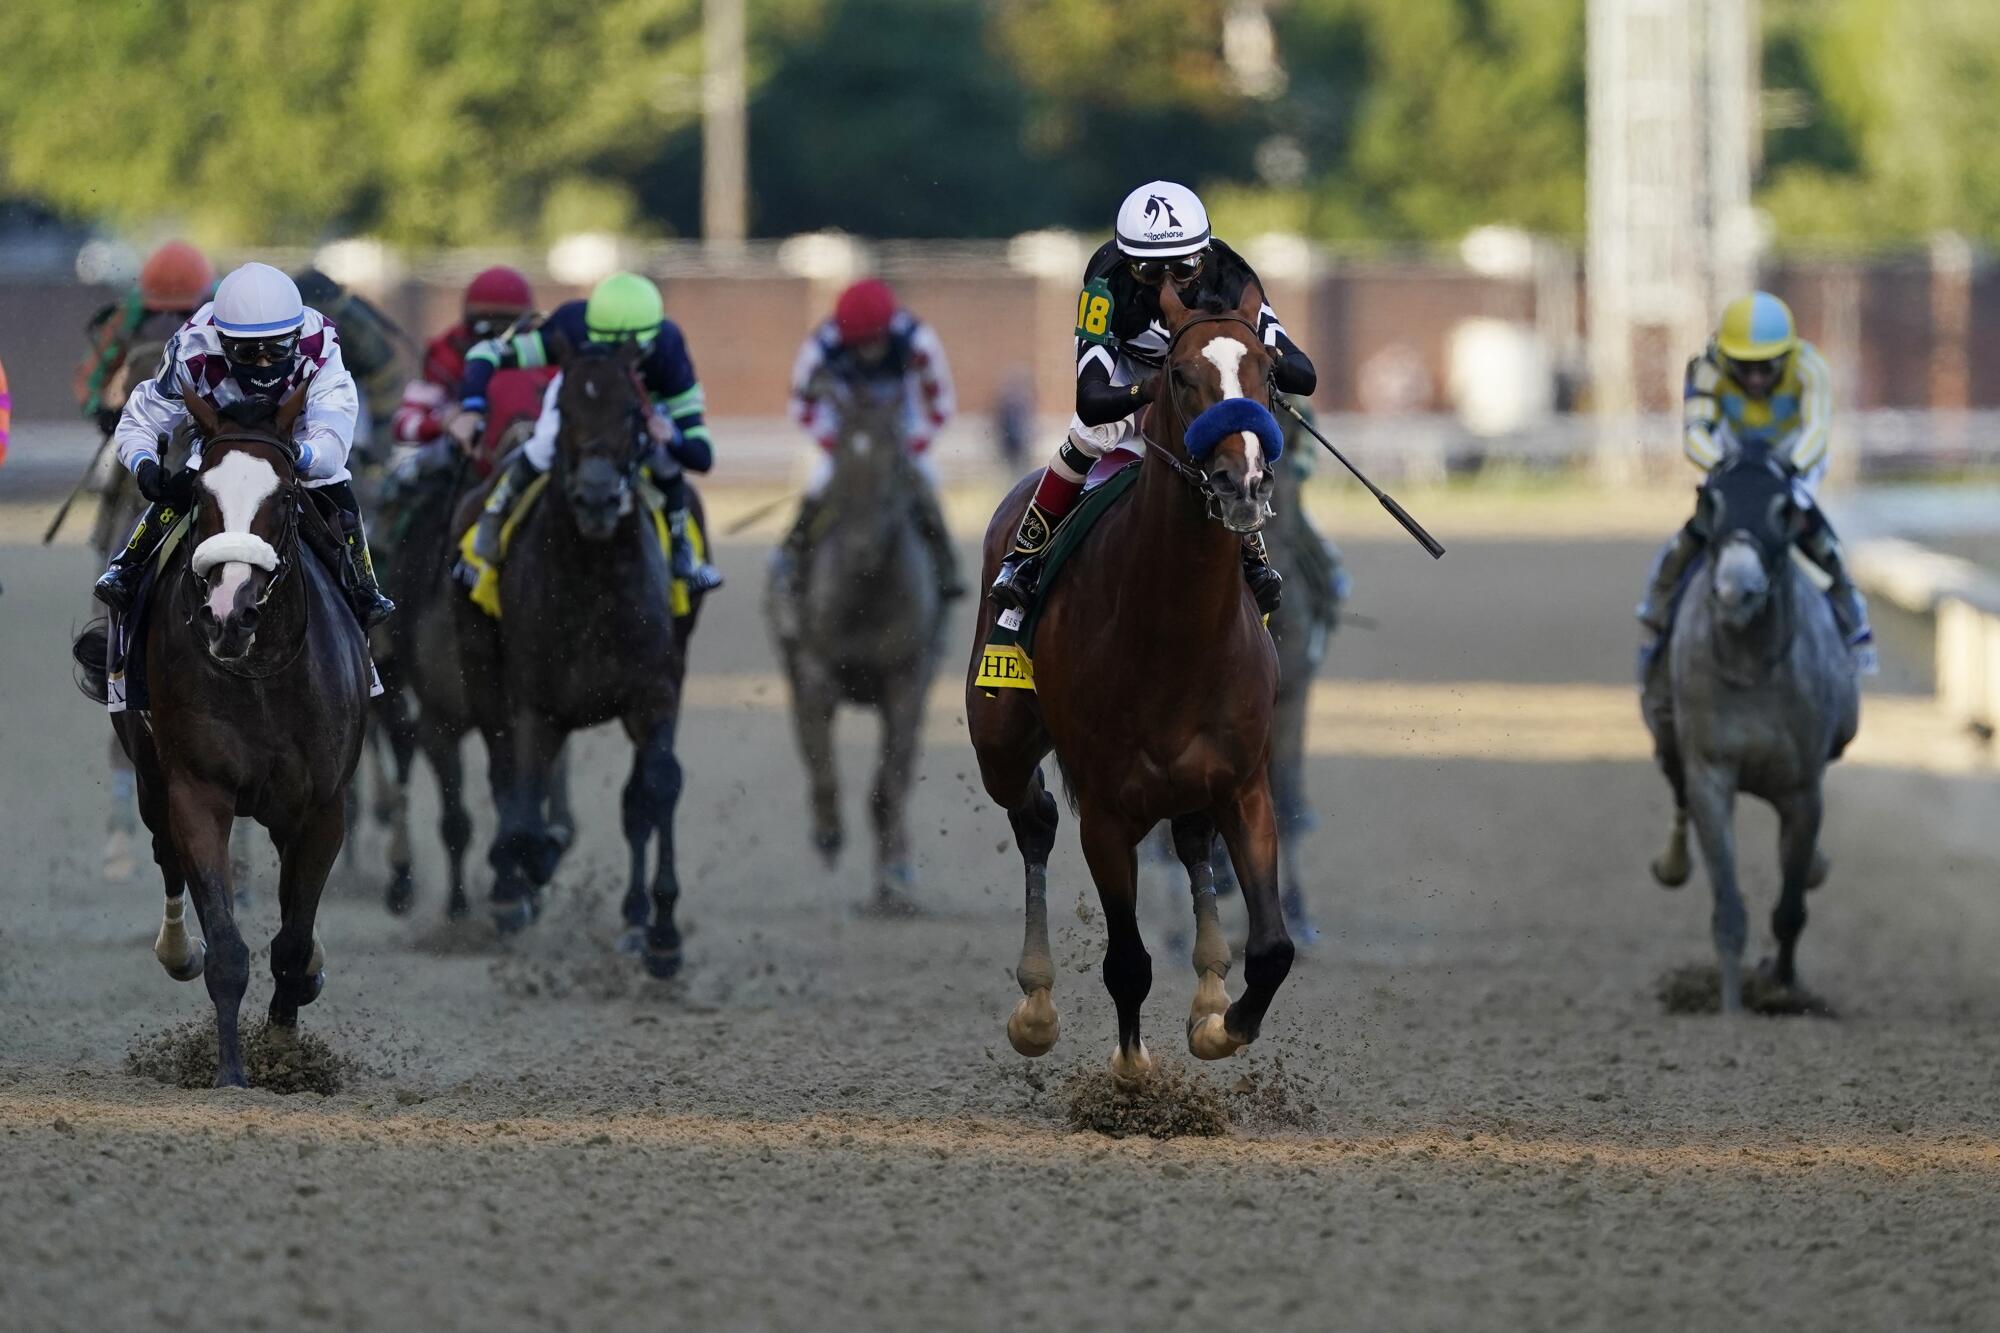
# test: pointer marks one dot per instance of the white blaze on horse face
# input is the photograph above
(1227, 356)
(238, 485)
(1739, 574)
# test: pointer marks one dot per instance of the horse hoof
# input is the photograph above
(828, 844)
(632, 940)
(402, 894)
(458, 907)
(231, 1079)
(1034, 1026)
(891, 904)
(513, 917)
(1131, 1071)
(1209, 1039)
(191, 966)
(1816, 874)
(1671, 871)
(663, 964)
(561, 835)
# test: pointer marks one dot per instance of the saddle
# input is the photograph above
(1006, 662)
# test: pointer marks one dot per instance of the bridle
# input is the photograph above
(637, 437)
(1777, 597)
(1185, 469)
(286, 545)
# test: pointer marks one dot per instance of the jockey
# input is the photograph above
(368, 347)
(496, 302)
(871, 342)
(1121, 344)
(1759, 381)
(256, 339)
(173, 283)
(624, 308)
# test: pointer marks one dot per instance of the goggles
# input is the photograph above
(1756, 376)
(1180, 270)
(273, 351)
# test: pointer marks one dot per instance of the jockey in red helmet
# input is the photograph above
(871, 342)
(497, 300)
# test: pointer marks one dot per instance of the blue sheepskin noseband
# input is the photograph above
(1228, 417)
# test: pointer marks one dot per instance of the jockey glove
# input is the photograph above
(154, 483)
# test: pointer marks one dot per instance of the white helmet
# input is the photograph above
(1161, 220)
(258, 301)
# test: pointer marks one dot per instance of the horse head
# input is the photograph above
(602, 440)
(1751, 518)
(1215, 392)
(246, 512)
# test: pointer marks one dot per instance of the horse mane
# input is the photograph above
(249, 412)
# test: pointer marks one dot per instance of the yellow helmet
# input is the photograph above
(1757, 327)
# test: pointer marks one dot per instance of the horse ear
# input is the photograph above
(1251, 302)
(288, 411)
(204, 416)
(1172, 310)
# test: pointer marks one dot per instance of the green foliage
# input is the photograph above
(1888, 127)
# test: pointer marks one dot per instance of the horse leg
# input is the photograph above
(1798, 840)
(1109, 846)
(1034, 1025)
(1250, 829)
(888, 804)
(520, 855)
(298, 963)
(657, 773)
(443, 748)
(200, 818)
(1711, 795)
(1671, 867)
(182, 954)
(1194, 842)
(392, 796)
(813, 702)
(561, 819)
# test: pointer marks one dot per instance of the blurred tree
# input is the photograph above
(1885, 128)
(448, 121)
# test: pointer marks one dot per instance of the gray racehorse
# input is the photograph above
(860, 624)
(1757, 694)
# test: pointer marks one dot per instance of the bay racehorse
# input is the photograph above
(863, 627)
(1154, 683)
(1757, 695)
(588, 634)
(258, 678)
(438, 678)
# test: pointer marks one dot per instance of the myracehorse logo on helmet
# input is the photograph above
(1156, 207)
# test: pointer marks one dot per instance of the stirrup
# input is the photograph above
(1015, 585)
(118, 586)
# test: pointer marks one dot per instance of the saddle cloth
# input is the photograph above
(485, 593)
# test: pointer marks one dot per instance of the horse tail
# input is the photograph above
(92, 652)
(1069, 786)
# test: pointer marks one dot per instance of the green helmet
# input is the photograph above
(622, 306)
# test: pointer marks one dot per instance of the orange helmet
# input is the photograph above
(176, 277)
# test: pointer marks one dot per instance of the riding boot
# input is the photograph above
(1669, 568)
(697, 574)
(1055, 495)
(357, 576)
(937, 536)
(119, 584)
(1850, 609)
(486, 536)
(1266, 584)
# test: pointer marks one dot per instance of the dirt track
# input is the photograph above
(823, 1126)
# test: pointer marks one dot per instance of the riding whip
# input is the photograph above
(82, 484)
(760, 513)
(1396, 511)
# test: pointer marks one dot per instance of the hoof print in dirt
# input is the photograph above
(276, 1059)
(1696, 988)
(1173, 1103)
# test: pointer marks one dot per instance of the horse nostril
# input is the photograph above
(247, 617)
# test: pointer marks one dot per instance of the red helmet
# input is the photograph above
(176, 277)
(499, 291)
(864, 310)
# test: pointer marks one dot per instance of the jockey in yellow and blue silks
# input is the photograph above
(1759, 382)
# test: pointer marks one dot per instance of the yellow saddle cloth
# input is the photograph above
(485, 593)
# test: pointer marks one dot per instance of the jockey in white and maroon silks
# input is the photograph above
(872, 345)
(256, 339)
(1121, 342)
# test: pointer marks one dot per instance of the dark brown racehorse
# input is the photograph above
(588, 635)
(259, 680)
(1154, 686)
